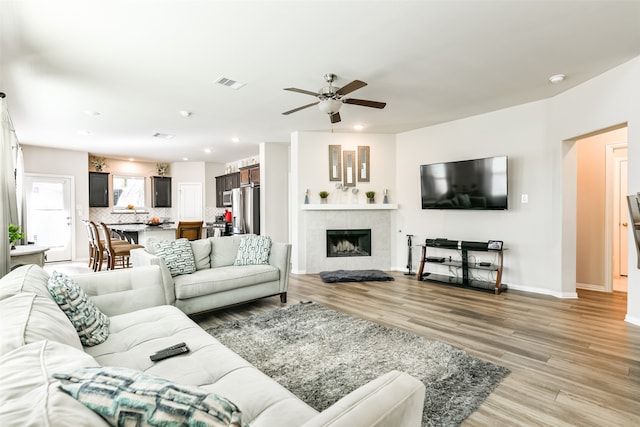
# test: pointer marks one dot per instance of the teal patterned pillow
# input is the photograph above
(91, 324)
(177, 255)
(253, 249)
(124, 396)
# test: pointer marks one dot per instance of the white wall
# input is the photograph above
(52, 161)
(274, 188)
(609, 99)
(539, 139)
(518, 133)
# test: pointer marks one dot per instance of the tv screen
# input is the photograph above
(469, 184)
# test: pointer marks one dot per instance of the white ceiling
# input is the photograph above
(138, 63)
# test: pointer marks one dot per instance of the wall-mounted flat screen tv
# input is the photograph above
(478, 184)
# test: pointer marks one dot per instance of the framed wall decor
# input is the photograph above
(335, 163)
(349, 168)
(363, 163)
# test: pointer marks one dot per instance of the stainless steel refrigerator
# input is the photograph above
(245, 210)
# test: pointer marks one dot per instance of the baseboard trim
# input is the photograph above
(632, 319)
(564, 295)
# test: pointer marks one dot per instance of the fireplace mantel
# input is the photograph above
(349, 207)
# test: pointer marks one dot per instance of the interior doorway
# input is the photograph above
(601, 212)
(49, 214)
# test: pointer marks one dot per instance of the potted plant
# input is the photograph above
(15, 234)
(371, 196)
(323, 196)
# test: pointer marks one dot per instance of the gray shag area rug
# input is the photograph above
(354, 276)
(321, 355)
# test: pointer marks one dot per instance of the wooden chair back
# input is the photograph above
(192, 230)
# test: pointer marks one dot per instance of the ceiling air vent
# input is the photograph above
(163, 135)
(230, 83)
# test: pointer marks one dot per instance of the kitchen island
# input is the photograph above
(142, 233)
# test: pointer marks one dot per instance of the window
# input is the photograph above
(128, 191)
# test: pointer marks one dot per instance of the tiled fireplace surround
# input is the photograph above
(317, 222)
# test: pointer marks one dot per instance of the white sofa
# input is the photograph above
(37, 340)
(217, 282)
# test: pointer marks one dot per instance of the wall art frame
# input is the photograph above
(363, 163)
(349, 168)
(335, 163)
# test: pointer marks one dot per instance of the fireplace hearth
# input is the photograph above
(348, 243)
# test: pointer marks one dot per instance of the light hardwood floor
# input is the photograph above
(573, 362)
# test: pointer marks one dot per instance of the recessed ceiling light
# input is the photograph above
(235, 139)
(185, 158)
(207, 150)
(358, 127)
(91, 113)
(83, 132)
(557, 78)
(163, 135)
(185, 113)
(131, 159)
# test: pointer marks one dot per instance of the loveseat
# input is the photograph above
(38, 341)
(217, 281)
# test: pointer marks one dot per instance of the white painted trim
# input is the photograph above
(633, 320)
(567, 295)
(347, 207)
(592, 287)
(610, 197)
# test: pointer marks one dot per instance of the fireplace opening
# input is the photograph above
(348, 243)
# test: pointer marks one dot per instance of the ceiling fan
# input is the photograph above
(330, 98)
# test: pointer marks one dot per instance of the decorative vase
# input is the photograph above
(98, 168)
(323, 200)
(371, 201)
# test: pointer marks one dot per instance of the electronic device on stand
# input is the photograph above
(409, 256)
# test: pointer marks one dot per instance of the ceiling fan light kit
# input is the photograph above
(330, 98)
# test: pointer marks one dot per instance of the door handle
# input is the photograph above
(624, 224)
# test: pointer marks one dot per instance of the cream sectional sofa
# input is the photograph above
(37, 340)
(217, 282)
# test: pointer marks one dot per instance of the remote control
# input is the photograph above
(173, 347)
(165, 354)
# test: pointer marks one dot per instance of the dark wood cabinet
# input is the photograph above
(225, 183)
(250, 175)
(161, 190)
(98, 189)
(232, 181)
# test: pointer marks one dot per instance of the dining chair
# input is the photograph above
(117, 253)
(192, 230)
(93, 250)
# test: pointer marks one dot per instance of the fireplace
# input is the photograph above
(348, 243)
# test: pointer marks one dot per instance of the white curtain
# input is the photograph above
(8, 201)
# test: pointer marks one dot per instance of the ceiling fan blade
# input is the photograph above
(350, 87)
(301, 108)
(306, 92)
(365, 103)
(335, 117)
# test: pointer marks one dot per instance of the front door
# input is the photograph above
(49, 215)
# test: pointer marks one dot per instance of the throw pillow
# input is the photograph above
(253, 249)
(177, 255)
(126, 396)
(91, 324)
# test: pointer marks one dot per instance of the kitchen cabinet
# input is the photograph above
(161, 191)
(225, 183)
(250, 176)
(98, 189)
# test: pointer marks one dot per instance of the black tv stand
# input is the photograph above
(464, 247)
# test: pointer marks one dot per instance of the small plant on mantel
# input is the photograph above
(323, 196)
(371, 196)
